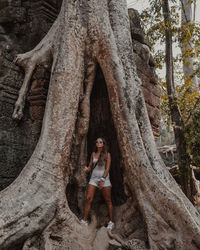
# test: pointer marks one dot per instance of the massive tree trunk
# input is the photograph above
(34, 209)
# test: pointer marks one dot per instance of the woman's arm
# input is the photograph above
(89, 168)
(90, 163)
(107, 168)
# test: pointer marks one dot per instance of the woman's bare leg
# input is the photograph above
(106, 191)
(89, 198)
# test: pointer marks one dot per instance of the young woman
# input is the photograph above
(99, 165)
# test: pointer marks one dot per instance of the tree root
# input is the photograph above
(64, 231)
(42, 54)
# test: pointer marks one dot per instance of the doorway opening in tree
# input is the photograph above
(101, 125)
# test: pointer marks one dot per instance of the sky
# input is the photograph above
(138, 4)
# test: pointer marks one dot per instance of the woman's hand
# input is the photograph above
(101, 184)
(86, 169)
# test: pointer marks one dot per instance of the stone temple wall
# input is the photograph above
(146, 71)
(23, 23)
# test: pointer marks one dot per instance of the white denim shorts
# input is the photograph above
(95, 182)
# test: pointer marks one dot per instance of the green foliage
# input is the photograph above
(186, 37)
(192, 133)
(187, 99)
(186, 34)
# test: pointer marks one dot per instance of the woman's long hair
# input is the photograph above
(104, 153)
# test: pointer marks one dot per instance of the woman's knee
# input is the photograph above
(89, 199)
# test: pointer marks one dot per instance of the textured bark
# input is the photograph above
(38, 216)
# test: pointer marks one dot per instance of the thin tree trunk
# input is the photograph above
(87, 33)
(186, 43)
(194, 11)
(178, 124)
